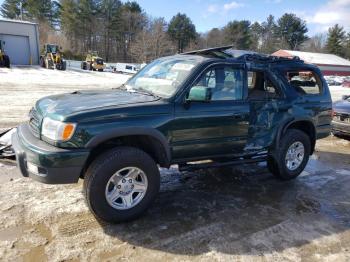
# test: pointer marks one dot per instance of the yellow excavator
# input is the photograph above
(4, 59)
(52, 58)
(93, 62)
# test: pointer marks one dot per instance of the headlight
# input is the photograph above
(57, 130)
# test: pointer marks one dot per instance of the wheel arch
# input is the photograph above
(149, 140)
(304, 124)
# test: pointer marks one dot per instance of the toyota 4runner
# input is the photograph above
(203, 105)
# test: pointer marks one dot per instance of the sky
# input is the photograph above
(206, 14)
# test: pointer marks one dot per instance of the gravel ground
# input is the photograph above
(227, 214)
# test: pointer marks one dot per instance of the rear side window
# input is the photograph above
(305, 82)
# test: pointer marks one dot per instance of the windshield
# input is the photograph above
(164, 76)
(52, 48)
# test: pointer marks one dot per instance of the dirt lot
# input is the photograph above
(231, 214)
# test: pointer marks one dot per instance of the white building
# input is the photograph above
(21, 41)
(329, 64)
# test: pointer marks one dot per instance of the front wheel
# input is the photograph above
(291, 155)
(121, 184)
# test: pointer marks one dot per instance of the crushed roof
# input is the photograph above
(317, 58)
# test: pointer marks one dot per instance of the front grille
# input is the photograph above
(340, 117)
(34, 122)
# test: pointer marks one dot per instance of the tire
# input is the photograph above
(63, 65)
(277, 162)
(100, 70)
(100, 172)
(42, 62)
(6, 61)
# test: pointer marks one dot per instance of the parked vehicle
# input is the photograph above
(182, 109)
(341, 117)
(125, 68)
(93, 62)
(4, 59)
(52, 58)
(346, 83)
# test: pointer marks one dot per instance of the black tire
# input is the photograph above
(100, 70)
(83, 66)
(6, 61)
(276, 161)
(63, 65)
(42, 62)
(104, 167)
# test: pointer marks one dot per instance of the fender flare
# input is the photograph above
(131, 131)
(288, 122)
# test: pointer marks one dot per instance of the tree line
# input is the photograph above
(123, 32)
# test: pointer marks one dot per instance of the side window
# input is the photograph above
(224, 83)
(304, 82)
(261, 87)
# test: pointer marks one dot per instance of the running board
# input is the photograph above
(240, 161)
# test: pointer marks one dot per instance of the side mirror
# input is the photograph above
(199, 94)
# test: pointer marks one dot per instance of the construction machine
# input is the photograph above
(4, 59)
(93, 62)
(52, 57)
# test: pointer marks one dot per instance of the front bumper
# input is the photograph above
(54, 165)
(340, 128)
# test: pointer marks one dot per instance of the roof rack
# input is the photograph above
(268, 58)
(208, 50)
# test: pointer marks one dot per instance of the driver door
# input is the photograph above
(217, 126)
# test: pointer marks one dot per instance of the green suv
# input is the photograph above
(200, 109)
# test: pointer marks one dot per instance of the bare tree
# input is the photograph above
(152, 42)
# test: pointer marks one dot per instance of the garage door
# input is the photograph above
(17, 48)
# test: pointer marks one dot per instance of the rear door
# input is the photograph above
(219, 126)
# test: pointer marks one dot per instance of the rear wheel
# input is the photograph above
(42, 62)
(121, 184)
(291, 155)
(6, 61)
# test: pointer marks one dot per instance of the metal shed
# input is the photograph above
(21, 41)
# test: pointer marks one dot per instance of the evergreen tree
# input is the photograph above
(12, 9)
(291, 31)
(111, 16)
(347, 46)
(181, 30)
(238, 34)
(335, 40)
(269, 41)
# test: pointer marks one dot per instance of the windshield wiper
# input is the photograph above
(139, 90)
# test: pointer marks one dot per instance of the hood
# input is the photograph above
(67, 104)
(342, 106)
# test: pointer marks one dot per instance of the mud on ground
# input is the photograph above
(220, 214)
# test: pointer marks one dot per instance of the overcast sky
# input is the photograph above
(206, 14)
